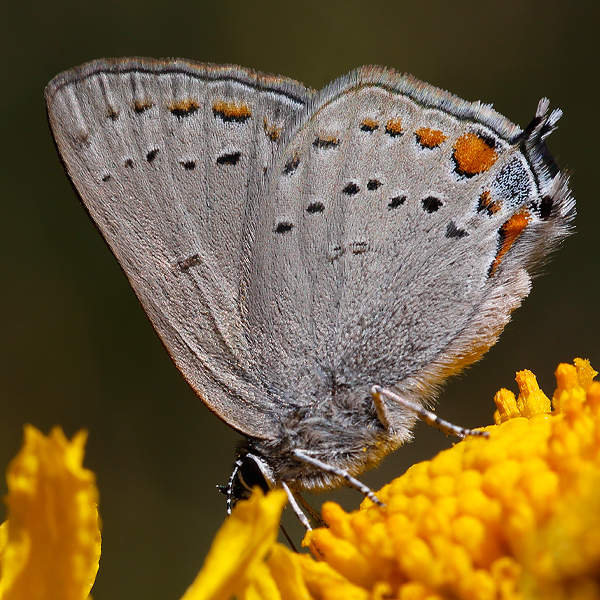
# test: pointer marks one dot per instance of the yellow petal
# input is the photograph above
(53, 539)
(585, 372)
(569, 393)
(239, 547)
(324, 583)
(531, 400)
(258, 584)
(286, 572)
(507, 406)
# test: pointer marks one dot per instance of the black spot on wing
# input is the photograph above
(431, 204)
(140, 107)
(315, 207)
(351, 189)
(188, 263)
(284, 227)
(326, 143)
(291, 165)
(184, 108)
(231, 158)
(359, 247)
(452, 231)
(396, 202)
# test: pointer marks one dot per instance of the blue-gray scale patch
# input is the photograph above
(512, 184)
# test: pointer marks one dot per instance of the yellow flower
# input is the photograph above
(235, 564)
(510, 517)
(50, 544)
(513, 516)
(246, 562)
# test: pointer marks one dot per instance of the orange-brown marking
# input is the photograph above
(430, 138)
(189, 105)
(473, 155)
(232, 111)
(369, 124)
(486, 203)
(394, 127)
(141, 106)
(327, 142)
(273, 132)
(509, 233)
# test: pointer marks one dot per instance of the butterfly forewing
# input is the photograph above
(169, 158)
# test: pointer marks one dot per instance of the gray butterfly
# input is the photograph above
(295, 249)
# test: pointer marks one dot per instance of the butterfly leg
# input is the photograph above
(382, 411)
(287, 536)
(295, 507)
(313, 514)
(352, 481)
(425, 415)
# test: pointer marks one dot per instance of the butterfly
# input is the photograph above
(315, 263)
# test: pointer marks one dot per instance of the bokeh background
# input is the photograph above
(77, 349)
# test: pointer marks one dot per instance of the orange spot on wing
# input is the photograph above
(141, 106)
(369, 124)
(430, 138)
(188, 105)
(394, 127)
(487, 204)
(473, 154)
(509, 233)
(273, 132)
(232, 111)
(326, 142)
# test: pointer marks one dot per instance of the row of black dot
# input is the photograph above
(140, 107)
(331, 143)
(352, 188)
(430, 204)
(358, 247)
(374, 184)
(231, 158)
(452, 230)
(370, 128)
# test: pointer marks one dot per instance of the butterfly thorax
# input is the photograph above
(345, 430)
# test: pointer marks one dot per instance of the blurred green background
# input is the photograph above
(77, 349)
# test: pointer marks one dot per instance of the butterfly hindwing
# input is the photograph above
(398, 235)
